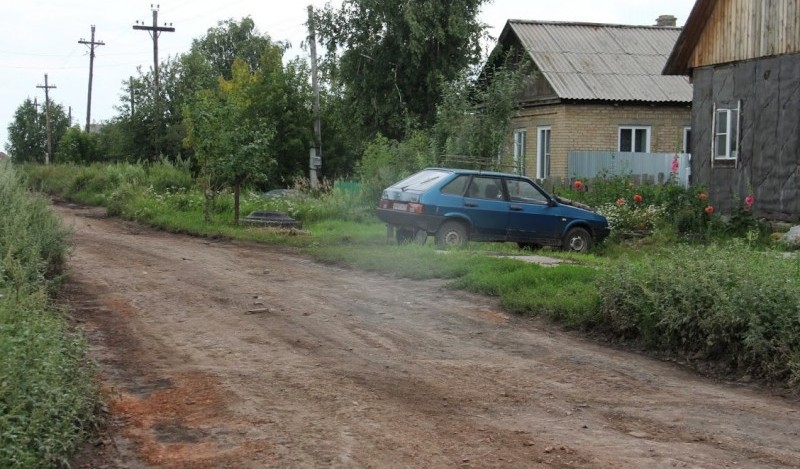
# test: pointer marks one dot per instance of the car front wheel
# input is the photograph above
(577, 240)
(451, 234)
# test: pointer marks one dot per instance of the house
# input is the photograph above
(595, 87)
(3, 156)
(743, 58)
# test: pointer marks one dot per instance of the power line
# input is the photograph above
(92, 44)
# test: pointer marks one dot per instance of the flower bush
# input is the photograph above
(625, 219)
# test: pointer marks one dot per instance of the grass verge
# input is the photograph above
(47, 391)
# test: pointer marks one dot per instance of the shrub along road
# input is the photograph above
(217, 354)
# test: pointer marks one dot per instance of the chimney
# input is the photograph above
(667, 21)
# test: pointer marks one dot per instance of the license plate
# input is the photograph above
(399, 206)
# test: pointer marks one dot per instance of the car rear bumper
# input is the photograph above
(429, 223)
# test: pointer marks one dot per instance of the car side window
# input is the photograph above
(484, 187)
(456, 186)
(522, 191)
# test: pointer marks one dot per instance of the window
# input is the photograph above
(456, 186)
(687, 140)
(634, 139)
(522, 191)
(520, 137)
(543, 153)
(726, 133)
(485, 188)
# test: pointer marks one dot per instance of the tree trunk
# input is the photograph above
(236, 189)
(209, 198)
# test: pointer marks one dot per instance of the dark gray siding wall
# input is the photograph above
(769, 156)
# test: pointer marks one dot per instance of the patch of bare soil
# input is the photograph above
(226, 355)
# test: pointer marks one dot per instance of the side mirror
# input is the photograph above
(552, 202)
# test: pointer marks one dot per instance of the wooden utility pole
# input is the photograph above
(92, 43)
(155, 31)
(315, 158)
(49, 155)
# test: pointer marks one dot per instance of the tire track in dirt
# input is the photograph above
(218, 354)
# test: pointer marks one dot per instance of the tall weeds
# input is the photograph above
(724, 304)
(47, 396)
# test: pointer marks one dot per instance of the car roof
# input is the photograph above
(475, 171)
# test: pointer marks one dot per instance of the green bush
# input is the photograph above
(722, 303)
(47, 395)
(387, 161)
(77, 146)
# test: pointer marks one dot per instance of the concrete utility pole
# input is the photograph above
(92, 43)
(49, 155)
(315, 158)
(155, 31)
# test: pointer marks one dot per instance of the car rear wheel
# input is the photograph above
(404, 235)
(577, 240)
(410, 235)
(451, 234)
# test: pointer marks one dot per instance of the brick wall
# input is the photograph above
(595, 127)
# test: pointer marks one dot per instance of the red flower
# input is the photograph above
(702, 196)
(578, 185)
(620, 202)
(749, 200)
(709, 209)
(675, 165)
(637, 198)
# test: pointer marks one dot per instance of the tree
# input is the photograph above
(397, 56)
(230, 139)
(282, 96)
(27, 133)
(230, 41)
(473, 120)
(77, 146)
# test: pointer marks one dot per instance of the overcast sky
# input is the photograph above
(41, 36)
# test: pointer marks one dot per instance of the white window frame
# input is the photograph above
(732, 117)
(687, 131)
(543, 151)
(633, 129)
(520, 144)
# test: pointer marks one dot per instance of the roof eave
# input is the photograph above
(678, 61)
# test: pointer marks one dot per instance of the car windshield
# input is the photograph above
(422, 180)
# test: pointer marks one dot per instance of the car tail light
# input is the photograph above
(415, 208)
(410, 207)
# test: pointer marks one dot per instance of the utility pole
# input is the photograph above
(155, 31)
(315, 158)
(49, 155)
(92, 43)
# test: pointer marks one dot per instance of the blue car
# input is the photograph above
(459, 205)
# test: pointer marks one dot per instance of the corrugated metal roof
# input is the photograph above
(587, 61)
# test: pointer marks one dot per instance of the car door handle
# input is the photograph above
(470, 204)
(515, 208)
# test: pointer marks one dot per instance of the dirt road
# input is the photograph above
(224, 355)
